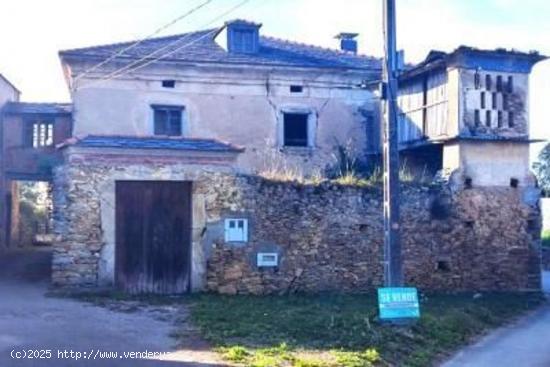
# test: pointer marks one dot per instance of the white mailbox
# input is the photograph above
(236, 230)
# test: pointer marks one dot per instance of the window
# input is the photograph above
(373, 133)
(296, 89)
(168, 83)
(477, 119)
(499, 83)
(499, 119)
(511, 121)
(38, 134)
(167, 120)
(243, 40)
(488, 82)
(505, 101)
(295, 129)
(236, 230)
(488, 118)
(482, 99)
(495, 101)
(510, 86)
(477, 80)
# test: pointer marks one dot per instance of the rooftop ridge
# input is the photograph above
(320, 48)
(129, 43)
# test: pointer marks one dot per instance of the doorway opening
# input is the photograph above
(153, 236)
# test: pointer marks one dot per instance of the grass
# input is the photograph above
(546, 238)
(330, 330)
(342, 330)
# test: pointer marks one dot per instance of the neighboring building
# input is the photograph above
(287, 104)
(8, 92)
(29, 133)
(467, 112)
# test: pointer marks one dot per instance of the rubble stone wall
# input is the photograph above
(328, 237)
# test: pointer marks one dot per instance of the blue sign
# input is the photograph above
(398, 304)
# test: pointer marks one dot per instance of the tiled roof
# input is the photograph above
(203, 48)
(152, 142)
(440, 59)
(37, 108)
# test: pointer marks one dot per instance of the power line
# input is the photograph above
(126, 69)
(137, 64)
(137, 43)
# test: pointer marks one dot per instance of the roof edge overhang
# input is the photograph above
(79, 57)
(80, 142)
(420, 143)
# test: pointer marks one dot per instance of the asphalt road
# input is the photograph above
(32, 322)
(525, 343)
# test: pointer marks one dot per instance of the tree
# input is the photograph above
(542, 170)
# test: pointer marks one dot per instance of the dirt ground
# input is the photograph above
(48, 329)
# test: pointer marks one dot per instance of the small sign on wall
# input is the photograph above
(398, 304)
(267, 259)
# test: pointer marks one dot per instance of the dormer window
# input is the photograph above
(240, 36)
(243, 40)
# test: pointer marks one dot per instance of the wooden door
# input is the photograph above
(153, 236)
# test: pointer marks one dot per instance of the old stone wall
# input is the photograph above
(327, 237)
(330, 238)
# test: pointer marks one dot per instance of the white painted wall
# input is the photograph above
(238, 105)
(7, 92)
(489, 163)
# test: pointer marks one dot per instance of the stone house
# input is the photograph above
(289, 104)
(158, 188)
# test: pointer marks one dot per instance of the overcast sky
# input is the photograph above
(32, 31)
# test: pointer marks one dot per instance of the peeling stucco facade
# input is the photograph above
(241, 106)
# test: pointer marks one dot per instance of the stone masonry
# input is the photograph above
(328, 237)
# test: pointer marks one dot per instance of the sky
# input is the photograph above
(33, 31)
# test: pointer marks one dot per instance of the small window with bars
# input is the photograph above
(488, 118)
(499, 83)
(477, 119)
(488, 82)
(39, 134)
(168, 120)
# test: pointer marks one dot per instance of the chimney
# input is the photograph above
(348, 43)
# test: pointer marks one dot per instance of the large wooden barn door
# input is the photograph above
(153, 236)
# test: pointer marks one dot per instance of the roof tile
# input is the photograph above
(202, 47)
(152, 142)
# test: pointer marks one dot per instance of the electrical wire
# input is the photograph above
(146, 60)
(137, 43)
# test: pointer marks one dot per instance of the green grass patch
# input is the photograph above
(546, 238)
(343, 330)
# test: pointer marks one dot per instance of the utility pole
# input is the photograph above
(393, 273)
